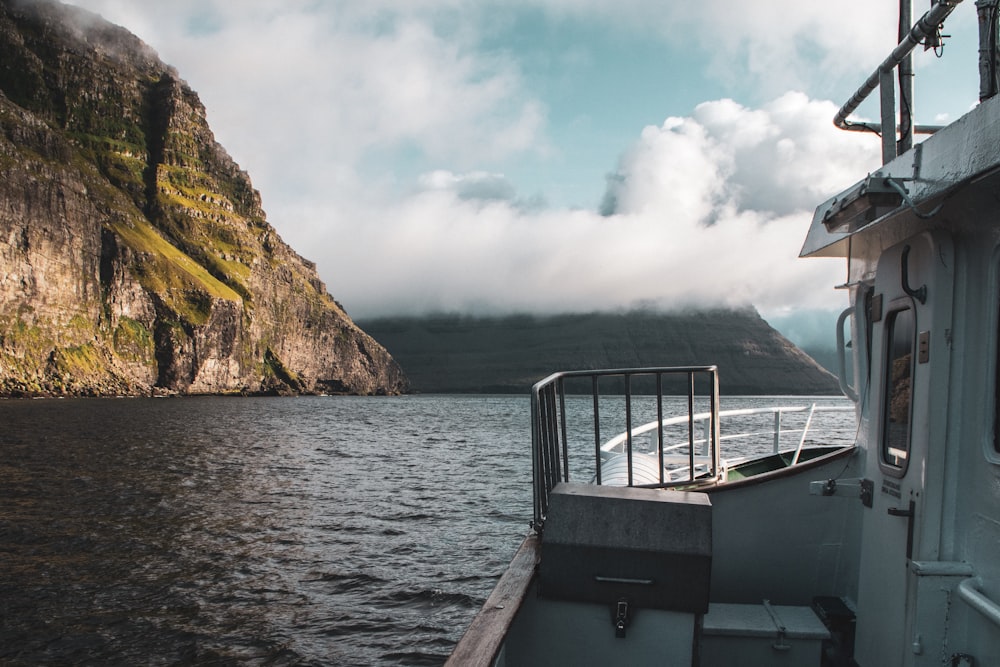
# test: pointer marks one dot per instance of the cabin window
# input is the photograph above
(898, 395)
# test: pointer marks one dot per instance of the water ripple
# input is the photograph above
(249, 531)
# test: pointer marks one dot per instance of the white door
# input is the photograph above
(911, 312)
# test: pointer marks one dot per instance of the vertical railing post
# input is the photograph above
(595, 393)
(690, 389)
(776, 434)
(659, 421)
(536, 495)
(543, 448)
(561, 390)
(707, 435)
(714, 406)
(551, 440)
(628, 423)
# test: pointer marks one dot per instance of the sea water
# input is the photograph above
(262, 531)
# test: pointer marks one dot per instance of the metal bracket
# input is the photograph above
(866, 201)
(863, 489)
(923, 347)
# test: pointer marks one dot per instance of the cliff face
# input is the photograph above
(135, 254)
(508, 354)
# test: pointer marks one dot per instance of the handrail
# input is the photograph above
(550, 444)
(925, 27)
(776, 431)
(484, 638)
(968, 590)
(845, 387)
(805, 432)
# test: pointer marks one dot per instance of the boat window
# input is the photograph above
(897, 394)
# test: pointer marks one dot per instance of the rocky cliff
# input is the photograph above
(135, 254)
(508, 354)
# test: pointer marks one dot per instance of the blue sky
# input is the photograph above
(454, 155)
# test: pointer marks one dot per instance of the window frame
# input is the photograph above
(887, 463)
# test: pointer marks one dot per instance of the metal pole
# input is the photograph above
(561, 390)
(887, 99)
(659, 420)
(905, 82)
(777, 431)
(628, 423)
(536, 460)
(926, 26)
(691, 426)
(805, 432)
(716, 429)
(969, 591)
(595, 393)
(988, 84)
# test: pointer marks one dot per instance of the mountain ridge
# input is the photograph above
(452, 353)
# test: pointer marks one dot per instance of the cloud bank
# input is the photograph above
(706, 210)
(384, 136)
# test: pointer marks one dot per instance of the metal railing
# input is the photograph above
(572, 411)
(774, 432)
(550, 435)
(970, 590)
(925, 31)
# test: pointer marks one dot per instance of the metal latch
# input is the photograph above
(779, 641)
(621, 618)
(864, 489)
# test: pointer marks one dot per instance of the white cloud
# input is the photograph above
(305, 92)
(476, 185)
(712, 210)
(776, 160)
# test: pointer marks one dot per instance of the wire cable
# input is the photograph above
(898, 187)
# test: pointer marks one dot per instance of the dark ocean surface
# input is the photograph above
(261, 531)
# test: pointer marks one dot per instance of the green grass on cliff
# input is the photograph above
(121, 162)
(34, 362)
(77, 362)
(205, 224)
(273, 367)
(133, 341)
(171, 274)
(20, 344)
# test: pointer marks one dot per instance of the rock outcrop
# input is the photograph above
(446, 354)
(135, 256)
